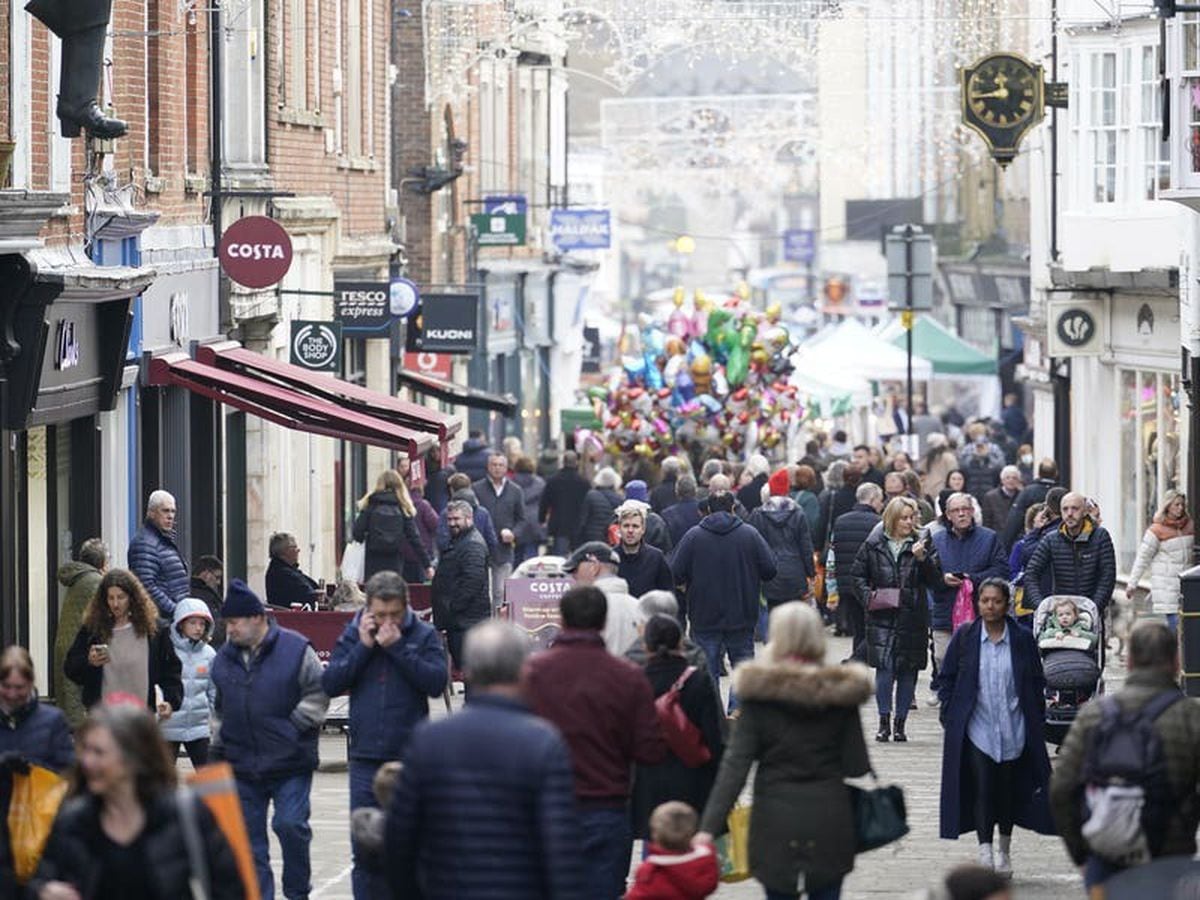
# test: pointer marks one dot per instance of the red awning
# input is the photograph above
(287, 407)
(231, 356)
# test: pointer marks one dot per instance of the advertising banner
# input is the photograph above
(533, 606)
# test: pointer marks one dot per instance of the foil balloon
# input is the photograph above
(635, 367)
(702, 373)
(685, 387)
(774, 312)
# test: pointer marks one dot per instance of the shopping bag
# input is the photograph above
(963, 612)
(733, 847)
(214, 785)
(828, 578)
(354, 562)
(36, 796)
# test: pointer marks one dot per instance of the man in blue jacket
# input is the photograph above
(965, 550)
(498, 822)
(723, 561)
(155, 558)
(391, 663)
(270, 707)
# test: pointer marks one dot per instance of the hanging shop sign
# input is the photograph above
(499, 229)
(1077, 326)
(436, 364)
(316, 345)
(591, 349)
(256, 252)
(445, 323)
(403, 297)
(800, 245)
(505, 204)
(363, 307)
(581, 229)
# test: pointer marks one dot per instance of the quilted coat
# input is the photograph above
(896, 638)
(1166, 550)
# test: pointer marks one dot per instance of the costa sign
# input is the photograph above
(256, 252)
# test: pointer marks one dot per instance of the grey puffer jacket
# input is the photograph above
(192, 720)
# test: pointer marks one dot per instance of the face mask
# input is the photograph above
(1026, 459)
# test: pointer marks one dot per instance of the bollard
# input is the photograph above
(1189, 630)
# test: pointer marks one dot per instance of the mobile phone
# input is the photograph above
(102, 649)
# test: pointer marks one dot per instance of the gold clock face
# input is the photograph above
(1002, 91)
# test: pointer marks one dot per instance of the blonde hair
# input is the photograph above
(1168, 498)
(795, 629)
(391, 480)
(895, 509)
(673, 824)
(1062, 602)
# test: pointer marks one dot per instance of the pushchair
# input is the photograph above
(1072, 667)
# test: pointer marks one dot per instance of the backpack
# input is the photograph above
(386, 531)
(1127, 797)
(683, 738)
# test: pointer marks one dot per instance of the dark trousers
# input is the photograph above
(737, 642)
(607, 848)
(993, 786)
(82, 59)
(197, 751)
(364, 882)
(290, 794)
(828, 892)
(561, 545)
(902, 683)
(856, 624)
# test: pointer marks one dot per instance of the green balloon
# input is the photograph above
(738, 366)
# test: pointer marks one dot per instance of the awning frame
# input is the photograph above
(473, 398)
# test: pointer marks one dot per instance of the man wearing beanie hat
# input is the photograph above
(657, 533)
(784, 527)
(270, 706)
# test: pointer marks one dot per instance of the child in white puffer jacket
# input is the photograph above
(191, 724)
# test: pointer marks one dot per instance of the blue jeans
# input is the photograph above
(905, 684)
(364, 881)
(290, 795)
(1097, 871)
(560, 545)
(1172, 620)
(738, 642)
(607, 848)
(829, 892)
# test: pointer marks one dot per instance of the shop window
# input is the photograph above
(1150, 453)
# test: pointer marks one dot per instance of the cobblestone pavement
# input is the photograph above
(1042, 869)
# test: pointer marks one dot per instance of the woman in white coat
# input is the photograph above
(1166, 550)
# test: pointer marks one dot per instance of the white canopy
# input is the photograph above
(850, 348)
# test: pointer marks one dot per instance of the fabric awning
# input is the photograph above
(473, 398)
(231, 356)
(286, 407)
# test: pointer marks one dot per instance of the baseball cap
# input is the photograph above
(597, 551)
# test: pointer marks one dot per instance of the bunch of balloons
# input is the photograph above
(715, 375)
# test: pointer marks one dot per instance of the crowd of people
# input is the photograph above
(618, 732)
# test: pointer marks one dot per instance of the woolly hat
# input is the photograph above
(636, 490)
(780, 483)
(241, 602)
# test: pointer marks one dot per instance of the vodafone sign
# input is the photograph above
(435, 364)
(256, 252)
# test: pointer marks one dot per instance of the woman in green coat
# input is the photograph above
(800, 722)
(81, 578)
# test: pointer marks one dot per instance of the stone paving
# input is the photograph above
(1042, 869)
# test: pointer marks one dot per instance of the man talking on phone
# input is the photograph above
(391, 663)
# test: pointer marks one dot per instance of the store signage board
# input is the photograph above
(445, 323)
(437, 365)
(363, 307)
(256, 252)
(499, 230)
(316, 346)
(581, 229)
(505, 204)
(533, 606)
(800, 245)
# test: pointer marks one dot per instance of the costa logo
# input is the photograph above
(256, 252)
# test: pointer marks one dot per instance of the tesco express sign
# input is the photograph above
(256, 252)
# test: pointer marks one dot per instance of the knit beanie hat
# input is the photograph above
(636, 490)
(240, 601)
(780, 483)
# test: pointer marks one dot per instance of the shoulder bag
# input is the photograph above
(880, 815)
(683, 738)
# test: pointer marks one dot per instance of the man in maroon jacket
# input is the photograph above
(604, 708)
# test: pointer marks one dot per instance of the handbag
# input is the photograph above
(880, 816)
(683, 738)
(354, 562)
(884, 599)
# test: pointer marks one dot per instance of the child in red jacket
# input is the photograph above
(674, 869)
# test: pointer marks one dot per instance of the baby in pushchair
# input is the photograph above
(1068, 642)
(1065, 629)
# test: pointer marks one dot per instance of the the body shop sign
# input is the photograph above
(256, 252)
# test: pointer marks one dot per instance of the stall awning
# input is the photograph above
(505, 404)
(285, 406)
(230, 356)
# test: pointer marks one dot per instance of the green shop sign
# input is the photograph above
(499, 230)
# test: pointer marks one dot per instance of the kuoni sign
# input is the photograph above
(581, 229)
(255, 251)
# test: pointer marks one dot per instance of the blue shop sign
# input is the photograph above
(800, 245)
(581, 229)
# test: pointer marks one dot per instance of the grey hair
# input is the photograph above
(718, 483)
(1010, 470)
(653, 603)
(835, 475)
(868, 491)
(757, 465)
(685, 487)
(710, 468)
(670, 466)
(158, 498)
(493, 654)
(607, 478)
(94, 552)
(279, 542)
(461, 506)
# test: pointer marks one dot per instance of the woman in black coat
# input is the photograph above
(892, 571)
(122, 831)
(672, 779)
(386, 526)
(118, 621)
(1006, 780)
(599, 505)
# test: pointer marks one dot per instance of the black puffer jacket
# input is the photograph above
(598, 507)
(896, 639)
(73, 852)
(849, 531)
(1085, 566)
(784, 527)
(1030, 494)
(834, 502)
(982, 475)
(460, 583)
(382, 507)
